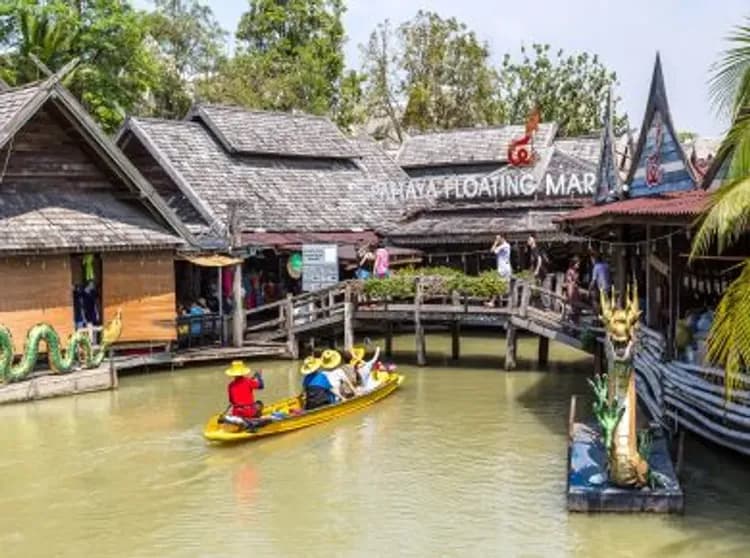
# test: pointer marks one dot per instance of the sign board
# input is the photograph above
(320, 266)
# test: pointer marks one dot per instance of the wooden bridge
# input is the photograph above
(339, 311)
(679, 395)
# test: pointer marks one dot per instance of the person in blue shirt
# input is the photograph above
(315, 385)
(197, 309)
(600, 278)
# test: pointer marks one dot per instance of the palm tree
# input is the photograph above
(727, 216)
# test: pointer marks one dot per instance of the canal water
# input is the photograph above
(463, 461)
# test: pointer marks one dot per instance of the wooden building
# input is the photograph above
(644, 223)
(286, 178)
(68, 196)
(465, 188)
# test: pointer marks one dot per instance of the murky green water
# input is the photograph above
(464, 461)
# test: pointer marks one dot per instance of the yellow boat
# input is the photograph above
(224, 432)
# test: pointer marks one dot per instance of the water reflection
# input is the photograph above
(463, 461)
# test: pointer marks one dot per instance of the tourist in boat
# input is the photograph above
(368, 376)
(315, 385)
(241, 391)
(341, 387)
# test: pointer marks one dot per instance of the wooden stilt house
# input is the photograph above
(75, 213)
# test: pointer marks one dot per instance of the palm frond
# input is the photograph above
(729, 338)
(728, 213)
(727, 86)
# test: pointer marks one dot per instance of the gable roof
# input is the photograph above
(659, 164)
(278, 193)
(467, 145)
(119, 222)
(254, 132)
(608, 186)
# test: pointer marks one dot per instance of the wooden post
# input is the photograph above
(238, 318)
(620, 275)
(418, 327)
(650, 282)
(511, 343)
(525, 297)
(456, 339)
(291, 339)
(348, 318)
(572, 415)
(543, 351)
(389, 339)
(675, 278)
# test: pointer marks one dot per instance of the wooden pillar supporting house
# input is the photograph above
(543, 354)
(419, 327)
(511, 344)
(675, 277)
(455, 340)
(651, 307)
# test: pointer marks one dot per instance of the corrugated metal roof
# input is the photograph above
(674, 204)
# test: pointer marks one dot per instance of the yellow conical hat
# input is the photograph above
(309, 365)
(358, 355)
(237, 368)
(330, 359)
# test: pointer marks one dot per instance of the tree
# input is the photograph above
(727, 217)
(116, 66)
(431, 73)
(289, 56)
(189, 42)
(569, 89)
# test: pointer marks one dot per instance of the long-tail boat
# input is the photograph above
(288, 414)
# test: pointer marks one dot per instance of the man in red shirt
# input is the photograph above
(240, 390)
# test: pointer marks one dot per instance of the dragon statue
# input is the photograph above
(61, 361)
(615, 395)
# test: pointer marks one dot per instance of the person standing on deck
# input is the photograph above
(501, 249)
(600, 279)
(381, 267)
(539, 269)
(572, 276)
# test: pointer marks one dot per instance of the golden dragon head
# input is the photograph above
(621, 323)
(111, 332)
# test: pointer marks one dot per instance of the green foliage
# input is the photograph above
(116, 67)
(568, 89)
(727, 216)
(289, 56)
(189, 44)
(436, 281)
(430, 73)
(607, 414)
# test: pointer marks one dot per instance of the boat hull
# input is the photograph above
(228, 433)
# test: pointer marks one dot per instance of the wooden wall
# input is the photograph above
(142, 284)
(33, 290)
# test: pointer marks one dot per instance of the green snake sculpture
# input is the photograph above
(79, 349)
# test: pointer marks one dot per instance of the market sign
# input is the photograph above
(502, 186)
(320, 266)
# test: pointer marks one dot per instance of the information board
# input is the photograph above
(320, 266)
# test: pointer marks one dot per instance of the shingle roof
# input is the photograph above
(54, 219)
(586, 148)
(688, 204)
(279, 193)
(275, 133)
(12, 100)
(41, 218)
(466, 146)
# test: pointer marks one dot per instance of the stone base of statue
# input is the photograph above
(590, 491)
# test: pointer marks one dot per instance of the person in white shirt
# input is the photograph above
(369, 380)
(501, 249)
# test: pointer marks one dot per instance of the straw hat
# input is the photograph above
(237, 368)
(310, 365)
(330, 359)
(358, 355)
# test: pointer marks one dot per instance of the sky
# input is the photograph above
(626, 34)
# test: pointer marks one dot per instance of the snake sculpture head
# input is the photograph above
(621, 324)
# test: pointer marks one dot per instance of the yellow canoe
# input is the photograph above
(222, 432)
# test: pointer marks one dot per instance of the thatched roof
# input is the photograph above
(280, 192)
(39, 217)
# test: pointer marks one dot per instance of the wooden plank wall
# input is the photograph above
(36, 289)
(142, 284)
